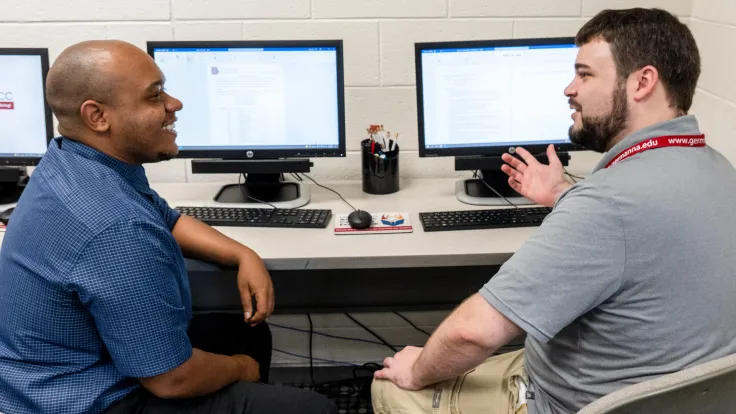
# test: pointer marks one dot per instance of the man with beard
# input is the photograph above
(630, 277)
(94, 295)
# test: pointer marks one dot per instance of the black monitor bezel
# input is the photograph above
(257, 153)
(484, 150)
(48, 117)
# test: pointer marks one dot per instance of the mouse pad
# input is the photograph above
(385, 222)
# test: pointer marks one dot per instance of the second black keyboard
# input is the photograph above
(259, 217)
(483, 219)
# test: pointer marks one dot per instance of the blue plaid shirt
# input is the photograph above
(93, 287)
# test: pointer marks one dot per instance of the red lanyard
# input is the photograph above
(659, 142)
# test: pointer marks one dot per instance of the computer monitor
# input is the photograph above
(261, 108)
(25, 118)
(479, 99)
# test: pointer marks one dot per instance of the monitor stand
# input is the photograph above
(263, 186)
(476, 191)
(13, 181)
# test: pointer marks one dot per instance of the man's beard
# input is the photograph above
(597, 132)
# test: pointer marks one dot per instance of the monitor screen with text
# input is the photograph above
(23, 129)
(496, 96)
(275, 98)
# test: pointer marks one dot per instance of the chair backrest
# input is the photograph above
(703, 389)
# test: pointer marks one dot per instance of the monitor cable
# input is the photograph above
(328, 189)
(480, 177)
(572, 177)
(242, 190)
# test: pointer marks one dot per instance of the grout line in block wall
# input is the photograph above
(292, 20)
(717, 97)
(701, 20)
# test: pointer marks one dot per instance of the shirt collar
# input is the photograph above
(133, 174)
(683, 125)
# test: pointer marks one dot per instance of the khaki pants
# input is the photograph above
(490, 388)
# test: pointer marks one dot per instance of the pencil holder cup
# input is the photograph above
(380, 169)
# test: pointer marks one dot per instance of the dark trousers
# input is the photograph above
(227, 335)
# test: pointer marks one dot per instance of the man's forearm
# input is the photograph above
(203, 373)
(200, 241)
(447, 355)
(465, 339)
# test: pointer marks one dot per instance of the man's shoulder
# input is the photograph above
(79, 205)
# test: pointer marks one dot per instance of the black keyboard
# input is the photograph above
(259, 217)
(483, 219)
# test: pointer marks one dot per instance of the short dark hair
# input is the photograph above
(641, 37)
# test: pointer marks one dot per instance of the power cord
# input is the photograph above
(242, 190)
(329, 189)
(375, 335)
(412, 324)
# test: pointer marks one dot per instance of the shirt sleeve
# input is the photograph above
(169, 215)
(569, 266)
(128, 277)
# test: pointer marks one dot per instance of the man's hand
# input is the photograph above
(249, 368)
(254, 279)
(399, 369)
(540, 183)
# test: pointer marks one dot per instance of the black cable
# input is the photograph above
(412, 324)
(296, 177)
(375, 335)
(344, 338)
(242, 190)
(497, 193)
(572, 177)
(311, 356)
(331, 361)
(329, 189)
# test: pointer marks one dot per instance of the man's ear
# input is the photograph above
(646, 80)
(93, 116)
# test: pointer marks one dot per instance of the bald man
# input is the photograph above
(96, 307)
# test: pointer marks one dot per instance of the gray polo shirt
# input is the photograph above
(632, 275)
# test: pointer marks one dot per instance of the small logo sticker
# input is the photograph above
(249, 154)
